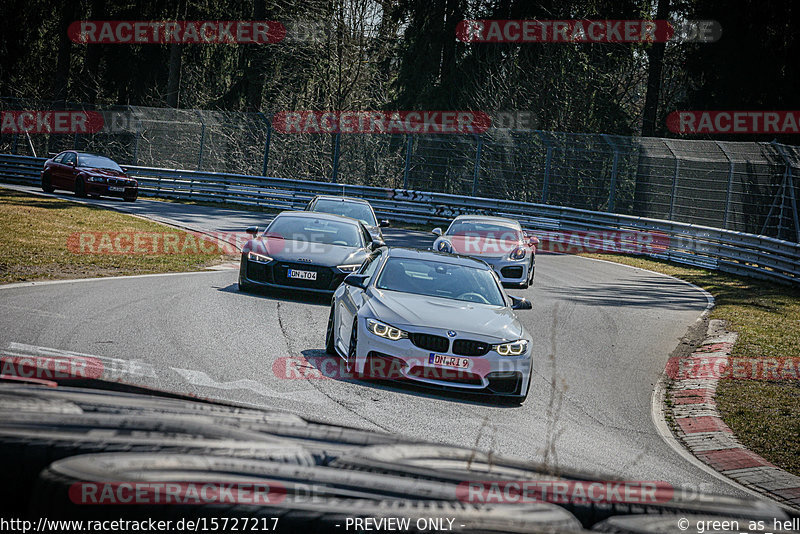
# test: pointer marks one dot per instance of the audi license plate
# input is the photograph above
(450, 362)
(301, 275)
(116, 189)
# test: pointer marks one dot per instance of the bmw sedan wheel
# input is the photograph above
(47, 183)
(80, 188)
(330, 344)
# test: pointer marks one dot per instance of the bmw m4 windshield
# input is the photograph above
(439, 279)
(326, 232)
(354, 210)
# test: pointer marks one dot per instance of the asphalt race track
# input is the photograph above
(602, 334)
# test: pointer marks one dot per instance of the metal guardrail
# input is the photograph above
(713, 248)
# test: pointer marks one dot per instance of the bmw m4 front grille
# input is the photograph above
(430, 342)
(468, 347)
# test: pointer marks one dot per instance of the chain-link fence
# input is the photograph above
(744, 186)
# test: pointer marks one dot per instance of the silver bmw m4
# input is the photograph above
(435, 319)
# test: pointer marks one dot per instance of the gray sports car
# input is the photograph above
(437, 319)
(304, 250)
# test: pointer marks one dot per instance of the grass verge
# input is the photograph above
(35, 231)
(763, 414)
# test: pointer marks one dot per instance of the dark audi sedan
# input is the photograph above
(304, 250)
(88, 174)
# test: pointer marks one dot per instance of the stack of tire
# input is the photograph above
(53, 439)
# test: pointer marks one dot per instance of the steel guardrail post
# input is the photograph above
(730, 185)
(335, 169)
(788, 181)
(409, 143)
(476, 172)
(674, 179)
(614, 165)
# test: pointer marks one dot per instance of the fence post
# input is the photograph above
(335, 170)
(730, 185)
(202, 143)
(136, 144)
(674, 179)
(476, 172)
(409, 143)
(266, 143)
(612, 190)
(787, 181)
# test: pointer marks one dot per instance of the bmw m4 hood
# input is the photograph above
(312, 253)
(418, 313)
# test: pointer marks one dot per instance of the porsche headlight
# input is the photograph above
(349, 268)
(517, 254)
(515, 348)
(444, 246)
(258, 258)
(384, 330)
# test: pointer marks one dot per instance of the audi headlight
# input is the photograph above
(517, 254)
(444, 246)
(384, 330)
(349, 268)
(258, 258)
(515, 348)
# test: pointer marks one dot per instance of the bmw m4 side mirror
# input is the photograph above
(518, 303)
(437, 231)
(356, 280)
(252, 230)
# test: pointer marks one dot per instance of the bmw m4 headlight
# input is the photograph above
(517, 254)
(515, 348)
(444, 246)
(96, 179)
(384, 330)
(258, 258)
(349, 268)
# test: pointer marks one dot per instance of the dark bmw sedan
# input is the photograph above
(304, 250)
(88, 174)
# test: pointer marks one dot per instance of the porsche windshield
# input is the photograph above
(354, 210)
(439, 279)
(485, 229)
(313, 230)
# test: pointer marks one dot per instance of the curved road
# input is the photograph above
(602, 333)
